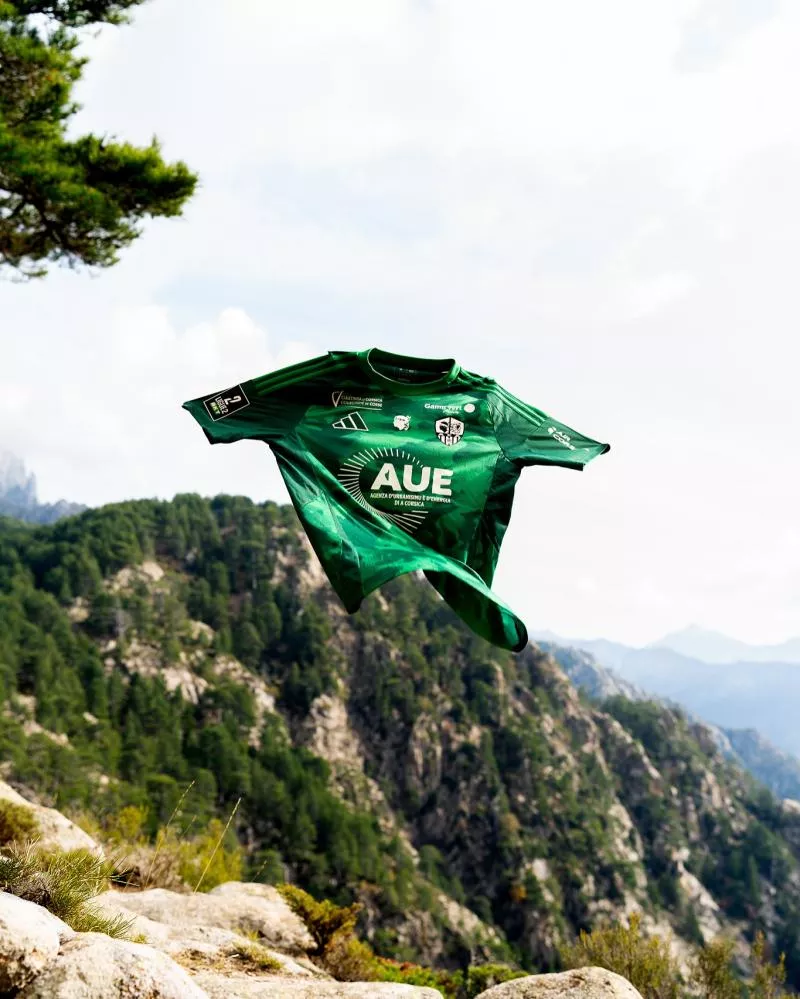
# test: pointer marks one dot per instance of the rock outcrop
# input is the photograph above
(217, 987)
(55, 831)
(30, 939)
(199, 947)
(94, 966)
(584, 983)
(241, 908)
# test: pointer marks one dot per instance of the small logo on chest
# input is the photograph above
(353, 421)
(449, 430)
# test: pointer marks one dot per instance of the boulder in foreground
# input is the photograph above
(243, 987)
(30, 937)
(94, 966)
(242, 908)
(583, 983)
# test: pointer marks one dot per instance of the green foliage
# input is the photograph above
(17, 823)
(126, 826)
(205, 858)
(712, 974)
(70, 200)
(485, 976)
(645, 961)
(450, 728)
(255, 956)
(349, 959)
(64, 883)
(768, 978)
(450, 984)
(324, 920)
(77, 13)
(714, 977)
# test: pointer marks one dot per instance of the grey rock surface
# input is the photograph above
(239, 908)
(243, 987)
(30, 938)
(94, 966)
(189, 939)
(583, 983)
(56, 832)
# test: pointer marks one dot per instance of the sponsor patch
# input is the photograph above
(561, 437)
(224, 403)
(342, 398)
(396, 485)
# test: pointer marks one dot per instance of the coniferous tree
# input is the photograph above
(77, 201)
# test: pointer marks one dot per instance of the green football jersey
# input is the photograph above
(396, 464)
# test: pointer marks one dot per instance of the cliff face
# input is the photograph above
(777, 769)
(473, 800)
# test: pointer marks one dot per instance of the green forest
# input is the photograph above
(500, 787)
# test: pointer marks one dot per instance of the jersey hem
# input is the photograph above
(353, 604)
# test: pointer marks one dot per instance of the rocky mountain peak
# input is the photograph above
(18, 496)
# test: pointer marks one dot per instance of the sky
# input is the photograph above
(596, 204)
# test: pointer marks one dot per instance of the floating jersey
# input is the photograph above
(396, 464)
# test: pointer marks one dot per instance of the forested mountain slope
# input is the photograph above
(469, 797)
(778, 770)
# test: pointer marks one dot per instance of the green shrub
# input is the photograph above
(768, 978)
(324, 920)
(64, 883)
(207, 857)
(484, 976)
(126, 826)
(348, 959)
(450, 984)
(646, 962)
(17, 823)
(255, 956)
(712, 974)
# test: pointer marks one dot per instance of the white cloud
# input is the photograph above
(596, 203)
(113, 427)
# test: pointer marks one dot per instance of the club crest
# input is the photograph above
(449, 430)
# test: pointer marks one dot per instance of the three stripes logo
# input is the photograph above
(353, 421)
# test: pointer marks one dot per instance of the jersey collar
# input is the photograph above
(443, 371)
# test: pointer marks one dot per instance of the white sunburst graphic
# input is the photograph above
(350, 477)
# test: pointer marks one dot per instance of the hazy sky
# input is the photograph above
(596, 203)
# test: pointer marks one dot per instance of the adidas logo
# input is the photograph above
(353, 421)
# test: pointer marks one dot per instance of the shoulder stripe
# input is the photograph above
(521, 408)
(283, 377)
(474, 380)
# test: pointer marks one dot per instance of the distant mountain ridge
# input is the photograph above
(778, 770)
(18, 496)
(714, 647)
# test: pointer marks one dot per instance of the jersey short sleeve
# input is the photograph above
(529, 436)
(265, 408)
